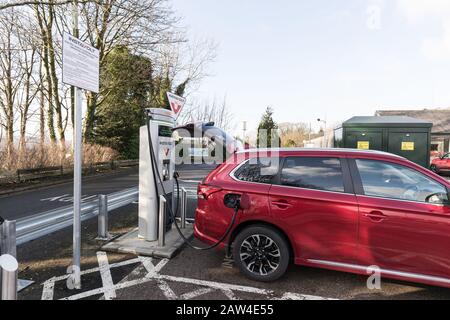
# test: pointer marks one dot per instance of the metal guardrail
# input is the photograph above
(39, 225)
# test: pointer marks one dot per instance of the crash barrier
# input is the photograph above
(27, 175)
(43, 224)
(8, 263)
(9, 270)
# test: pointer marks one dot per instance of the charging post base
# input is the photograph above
(132, 244)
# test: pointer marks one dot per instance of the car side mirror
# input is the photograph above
(438, 198)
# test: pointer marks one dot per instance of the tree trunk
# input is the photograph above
(90, 118)
(45, 59)
(54, 82)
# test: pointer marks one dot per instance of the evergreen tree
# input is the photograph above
(121, 113)
(267, 130)
(134, 86)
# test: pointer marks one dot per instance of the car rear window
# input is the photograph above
(259, 170)
(313, 173)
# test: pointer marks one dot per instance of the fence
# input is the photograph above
(40, 225)
(28, 175)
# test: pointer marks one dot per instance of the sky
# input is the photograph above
(327, 59)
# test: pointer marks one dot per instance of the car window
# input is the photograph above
(313, 173)
(388, 180)
(260, 170)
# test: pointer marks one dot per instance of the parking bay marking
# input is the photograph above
(152, 273)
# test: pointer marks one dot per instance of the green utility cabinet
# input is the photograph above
(404, 136)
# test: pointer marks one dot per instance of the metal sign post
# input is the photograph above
(81, 69)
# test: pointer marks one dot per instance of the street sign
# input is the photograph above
(176, 103)
(81, 64)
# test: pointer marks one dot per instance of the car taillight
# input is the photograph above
(204, 191)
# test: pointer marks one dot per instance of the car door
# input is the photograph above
(313, 201)
(404, 224)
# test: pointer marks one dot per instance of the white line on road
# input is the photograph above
(162, 282)
(229, 294)
(85, 272)
(166, 290)
(49, 289)
(196, 293)
(215, 285)
(105, 274)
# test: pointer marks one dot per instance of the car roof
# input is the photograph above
(323, 150)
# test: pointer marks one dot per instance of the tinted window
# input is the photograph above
(313, 173)
(260, 170)
(388, 180)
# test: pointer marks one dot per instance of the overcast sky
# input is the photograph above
(320, 58)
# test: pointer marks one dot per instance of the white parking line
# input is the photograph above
(215, 285)
(196, 293)
(105, 274)
(148, 272)
(167, 291)
(49, 289)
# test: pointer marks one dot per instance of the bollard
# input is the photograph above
(8, 238)
(162, 222)
(103, 218)
(183, 208)
(9, 267)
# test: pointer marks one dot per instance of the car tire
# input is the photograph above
(261, 253)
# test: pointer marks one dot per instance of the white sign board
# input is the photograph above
(81, 64)
(176, 103)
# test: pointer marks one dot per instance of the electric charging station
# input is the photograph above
(155, 235)
(157, 178)
(162, 122)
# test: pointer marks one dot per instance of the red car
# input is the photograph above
(343, 210)
(441, 164)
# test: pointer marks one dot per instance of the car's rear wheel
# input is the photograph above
(261, 253)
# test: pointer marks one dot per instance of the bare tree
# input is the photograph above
(31, 62)
(46, 20)
(140, 25)
(219, 113)
(11, 77)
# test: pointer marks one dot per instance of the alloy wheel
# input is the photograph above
(260, 254)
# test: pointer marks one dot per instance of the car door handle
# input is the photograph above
(282, 204)
(375, 216)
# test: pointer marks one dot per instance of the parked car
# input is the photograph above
(441, 164)
(344, 210)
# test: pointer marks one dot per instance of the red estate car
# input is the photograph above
(441, 164)
(343, 210)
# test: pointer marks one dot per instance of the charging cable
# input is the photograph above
(169, 206)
